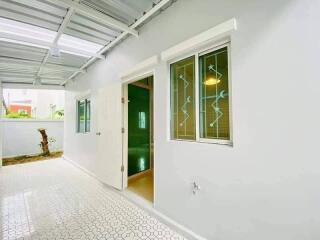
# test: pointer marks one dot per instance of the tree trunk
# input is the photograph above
(44, 143)
(5, 106)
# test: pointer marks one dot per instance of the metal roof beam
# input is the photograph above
(9, 60)
(62, 27)
(30, 85)
(122, 35)
(121, 6)
(97, 16)
(27, 76)
(46, 45)
(25, 64)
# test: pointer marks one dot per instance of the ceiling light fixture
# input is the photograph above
(211, 81)
(55, 52)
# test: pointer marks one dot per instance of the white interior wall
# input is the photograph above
(266, 186)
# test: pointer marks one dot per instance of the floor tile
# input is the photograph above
(55, 200)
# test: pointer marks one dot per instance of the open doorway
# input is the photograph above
(140, 138)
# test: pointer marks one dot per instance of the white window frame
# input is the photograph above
(197, 53)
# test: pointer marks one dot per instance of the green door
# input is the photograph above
(138, 130)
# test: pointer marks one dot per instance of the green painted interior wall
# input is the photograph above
(138, 129)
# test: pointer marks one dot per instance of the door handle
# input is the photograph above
(98, 133)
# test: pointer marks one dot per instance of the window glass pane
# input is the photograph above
(182, 99)
(88, 115)
(81, 116)
(142, 120)
(214, 95)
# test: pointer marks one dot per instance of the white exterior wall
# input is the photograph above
(1, 109)
(267, 185)
(21, 137)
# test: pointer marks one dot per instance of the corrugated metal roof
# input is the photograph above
(20, 51)
(39, 13)
(68, 60)
(53, 15)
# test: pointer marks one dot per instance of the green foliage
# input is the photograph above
(51, 140)
(17, 115)
(59, 114)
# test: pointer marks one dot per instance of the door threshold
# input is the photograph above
(134, 197)
(137, 175)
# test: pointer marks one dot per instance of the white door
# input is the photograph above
(109, 136)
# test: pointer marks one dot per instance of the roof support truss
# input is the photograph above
(14, 68)
(122, 36)
(19, 64)
(46, 45)
(27, 85)
(62, 27)
(27, 76)
(95, 15)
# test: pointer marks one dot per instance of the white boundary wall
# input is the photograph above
(21, 137)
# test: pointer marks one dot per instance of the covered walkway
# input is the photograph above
(55, 200)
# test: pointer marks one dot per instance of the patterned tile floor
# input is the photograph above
(55, 200)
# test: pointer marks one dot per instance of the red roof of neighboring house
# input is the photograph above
(19, 108)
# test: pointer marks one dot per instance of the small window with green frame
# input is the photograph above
(83, 115)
